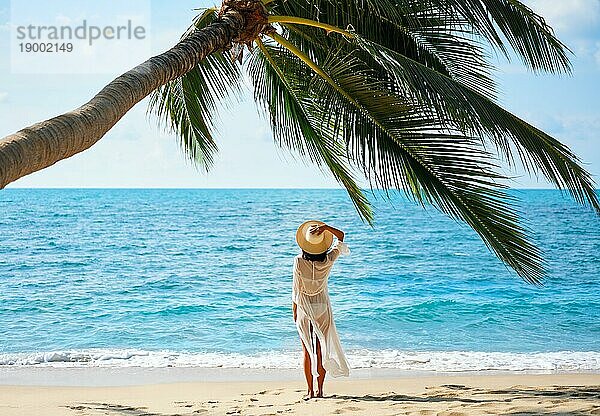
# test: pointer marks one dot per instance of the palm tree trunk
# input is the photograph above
(45, 143)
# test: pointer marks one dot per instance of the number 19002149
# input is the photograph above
(45, 47)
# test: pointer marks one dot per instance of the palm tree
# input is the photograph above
(398, 91)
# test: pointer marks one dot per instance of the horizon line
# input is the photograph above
(244, 188)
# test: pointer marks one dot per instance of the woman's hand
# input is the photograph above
(318, 229)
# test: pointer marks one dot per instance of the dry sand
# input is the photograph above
(507, 394)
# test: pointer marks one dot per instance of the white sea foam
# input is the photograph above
(440, 361)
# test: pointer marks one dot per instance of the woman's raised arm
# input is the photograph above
(318, 229)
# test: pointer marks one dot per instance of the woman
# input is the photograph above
(311, 305)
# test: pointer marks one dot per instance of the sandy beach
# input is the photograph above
(499, 394)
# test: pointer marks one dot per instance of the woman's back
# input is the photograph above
(310, 277)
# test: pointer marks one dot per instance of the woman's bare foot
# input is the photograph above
(308, 396)
(319, 393)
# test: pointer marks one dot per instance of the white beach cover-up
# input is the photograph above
(309, 292)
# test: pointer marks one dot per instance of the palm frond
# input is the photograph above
(277, 87)
(510, 25)
(429, 35)
(189, 104)
(399, 147)
(465, 108)
(504, 24)
(474, 113)
(526, 32)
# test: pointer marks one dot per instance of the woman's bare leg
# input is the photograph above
(308, 374)
(320, 370)
(307, 371)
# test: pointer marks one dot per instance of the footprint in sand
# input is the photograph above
(455, 386)
(347, 409)
(77, 407)
(183, 404)
(275, 392)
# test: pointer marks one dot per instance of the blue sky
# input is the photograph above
(137, 153)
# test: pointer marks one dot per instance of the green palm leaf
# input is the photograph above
(433, 37)
(448, 36)
(460, 107)
(474, 113)
(276, 88)
(399, 148)
(526, 32)
(189, 104)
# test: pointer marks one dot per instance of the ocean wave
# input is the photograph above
(428, 361)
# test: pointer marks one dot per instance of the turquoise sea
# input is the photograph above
(117, 277)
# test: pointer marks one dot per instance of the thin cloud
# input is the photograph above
(3, 96)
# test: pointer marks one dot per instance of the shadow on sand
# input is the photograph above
(586, 395)
(116, 409)
(585, 398)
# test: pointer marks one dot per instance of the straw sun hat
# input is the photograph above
(312, 243)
